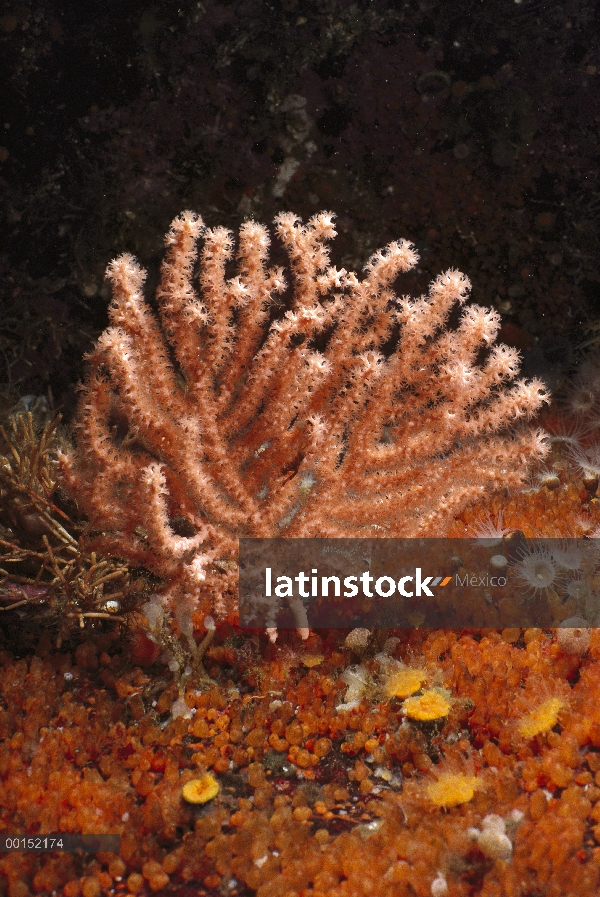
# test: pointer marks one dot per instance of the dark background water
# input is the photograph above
(470, 128)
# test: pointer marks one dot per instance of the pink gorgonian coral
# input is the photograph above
(326, 405)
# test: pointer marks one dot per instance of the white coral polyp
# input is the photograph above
(537, 570)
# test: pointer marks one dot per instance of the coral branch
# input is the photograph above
(347, 412)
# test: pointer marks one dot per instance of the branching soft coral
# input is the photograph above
(340, 409)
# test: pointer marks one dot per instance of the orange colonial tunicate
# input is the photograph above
(322, 747)
(294, 733)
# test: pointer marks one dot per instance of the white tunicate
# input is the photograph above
(498, 562)
(154, 612)
(492, 840)
(439, 886)
(180, 709)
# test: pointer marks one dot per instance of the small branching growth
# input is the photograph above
(46, 573)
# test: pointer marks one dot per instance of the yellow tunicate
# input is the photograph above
(200, 791)
(404, 682)
(452, 789)
(429, 706)
(542, 719)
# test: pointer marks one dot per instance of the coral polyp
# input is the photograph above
(537, 570)
(450, 789)
(541, 719)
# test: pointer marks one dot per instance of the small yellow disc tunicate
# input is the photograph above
(200, 791)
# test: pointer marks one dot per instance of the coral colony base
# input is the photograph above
(343, 764)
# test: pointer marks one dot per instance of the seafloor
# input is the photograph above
(313, 773)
